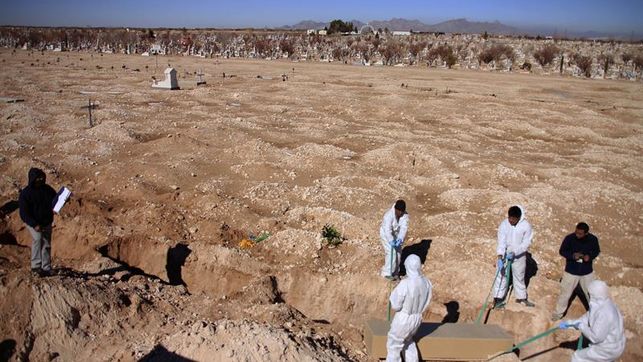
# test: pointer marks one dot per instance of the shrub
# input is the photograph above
(443, 52)
(638, 62)
(584, 63)
(287, 46)
(526, 66)
(546, 55)
(450, 59)
(391, 51)
(626, 57)
(496, 53)
(333, 236)
(607, 60)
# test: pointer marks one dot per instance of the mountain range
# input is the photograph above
(451, 26)
(465, 26)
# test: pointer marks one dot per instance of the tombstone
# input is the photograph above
(200, 79)
(170, 81)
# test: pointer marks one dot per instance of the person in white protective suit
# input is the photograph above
(602, 325)
(409, 300)
(392, 233)
(514, 238)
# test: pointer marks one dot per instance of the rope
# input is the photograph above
(486, 300)
(526, 342)
(507, 277)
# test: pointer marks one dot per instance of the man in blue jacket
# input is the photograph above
(36, 210)
(579, 249)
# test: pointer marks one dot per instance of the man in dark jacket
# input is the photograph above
(579, 249)
(36, 210)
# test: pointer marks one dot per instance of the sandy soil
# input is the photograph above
(167, 183)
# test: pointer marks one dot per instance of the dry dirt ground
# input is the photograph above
(167, 183)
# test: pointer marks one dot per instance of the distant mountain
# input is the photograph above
(400, 24)
(472, 27)
(306, 24)
(311, 24)
(451, 26)
(466, 26)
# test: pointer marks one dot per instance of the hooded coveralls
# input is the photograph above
(515, 239)
(390, 230)
(602, 325)
(409, 300)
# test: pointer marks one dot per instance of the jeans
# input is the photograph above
(40, 248)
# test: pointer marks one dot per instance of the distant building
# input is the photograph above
(401, 33)
(311, 32)
(322, 32)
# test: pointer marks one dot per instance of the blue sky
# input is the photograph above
(574, 15)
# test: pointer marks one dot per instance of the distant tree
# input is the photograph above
(626, 57)
(607, 60)
(485, 36)
(35, 38)
(339, 26)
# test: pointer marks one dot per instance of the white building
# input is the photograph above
(401, 33)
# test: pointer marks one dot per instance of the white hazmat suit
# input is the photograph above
(514, 239)
(409, 300)
(602, 325)
(392, 229)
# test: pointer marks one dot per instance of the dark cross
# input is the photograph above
(89, 108)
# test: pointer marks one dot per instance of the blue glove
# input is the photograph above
(510, 256)
(568, 324)
(500, 264)
(398, 243)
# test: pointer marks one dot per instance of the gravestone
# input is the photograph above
(170, 81)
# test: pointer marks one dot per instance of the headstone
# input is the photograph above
(170, 81)
(200, 79)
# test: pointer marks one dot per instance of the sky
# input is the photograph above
(615, 16)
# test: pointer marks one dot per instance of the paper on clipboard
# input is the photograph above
(63, 196)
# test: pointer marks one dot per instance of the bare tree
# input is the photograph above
(584, 63)
(391, 52)
(607, 60)
(546, 55)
